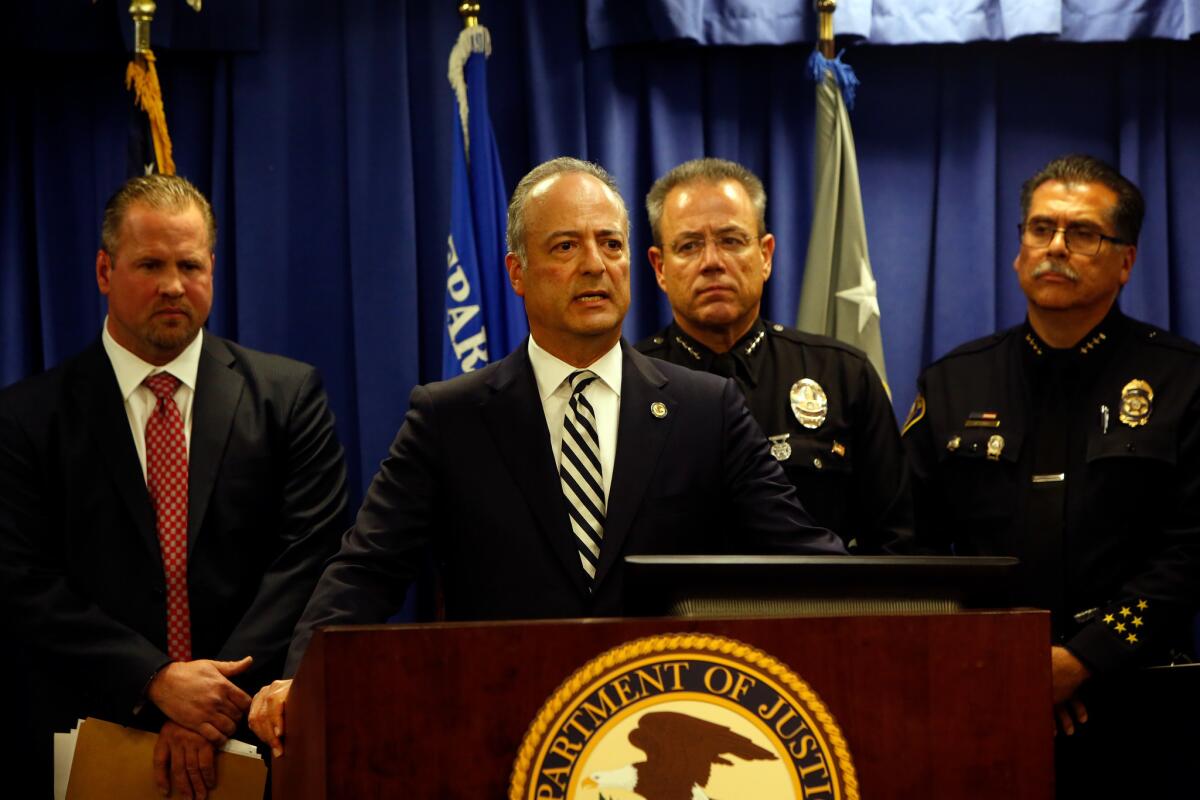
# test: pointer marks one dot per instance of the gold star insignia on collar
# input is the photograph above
(1108, 618)
(1124, 612)
(1092, 343)
(1142, 605)
(1120, 627)
(1033, 343)
(1131, 638)
(1137, 622)
(691, 350)
(750, 348)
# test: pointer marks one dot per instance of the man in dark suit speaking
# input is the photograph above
(531, 478)
(167, 499)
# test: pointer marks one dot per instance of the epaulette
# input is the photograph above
(654, 343)
(980, 345)
(1157, 337)
(779, 331)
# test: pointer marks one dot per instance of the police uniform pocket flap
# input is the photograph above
(1150, 442)
(986, 444)
(812, 453)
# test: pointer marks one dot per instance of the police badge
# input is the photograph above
(809, 403)
(1137, 401)
(995, 446)
(780, 448)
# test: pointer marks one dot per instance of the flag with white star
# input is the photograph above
(838, 296)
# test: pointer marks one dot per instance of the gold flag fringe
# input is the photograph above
(142, 77)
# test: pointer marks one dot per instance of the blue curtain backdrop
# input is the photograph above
(322, 133)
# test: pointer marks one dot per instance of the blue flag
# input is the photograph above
(484, 319)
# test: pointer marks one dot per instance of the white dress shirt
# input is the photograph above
(139, 400)
(604, 395)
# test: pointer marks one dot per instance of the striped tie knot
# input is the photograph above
(580, 379)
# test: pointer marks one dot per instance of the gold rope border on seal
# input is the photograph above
(653, 645)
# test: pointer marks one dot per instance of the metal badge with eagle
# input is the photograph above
(809, 403)
(1137, 401)
(780, 449)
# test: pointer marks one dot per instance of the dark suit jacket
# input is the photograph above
(471, 473)
(80, 568)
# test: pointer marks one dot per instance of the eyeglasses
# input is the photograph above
(1078, 238)
(734, 243)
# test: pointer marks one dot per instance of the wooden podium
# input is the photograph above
(931, 706)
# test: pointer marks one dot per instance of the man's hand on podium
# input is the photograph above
(267, 714)
(184, 762)
(199, 696)
(1067, 674)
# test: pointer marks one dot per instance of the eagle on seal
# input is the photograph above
(680, 753)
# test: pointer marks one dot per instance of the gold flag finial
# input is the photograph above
(469, 12)
(142, 12)
(825, 9)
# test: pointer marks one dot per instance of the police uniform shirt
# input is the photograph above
(1085, 464)
(847, 462)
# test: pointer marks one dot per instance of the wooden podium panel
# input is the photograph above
(938, 706)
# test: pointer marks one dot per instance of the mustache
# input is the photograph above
(1055, 268)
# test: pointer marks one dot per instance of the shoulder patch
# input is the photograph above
(915, 414)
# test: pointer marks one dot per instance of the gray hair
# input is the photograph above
(1126, 215)
(161, 192)
(706, 170)
(555, 166)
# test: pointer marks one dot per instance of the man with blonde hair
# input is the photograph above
(166, 500)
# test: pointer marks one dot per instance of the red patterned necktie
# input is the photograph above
(167, 480)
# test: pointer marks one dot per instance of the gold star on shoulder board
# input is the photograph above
(1109, 618)
(1120, 627)
(1131, 638)
(1124, 612)
(1142, 605)
(1137, 622)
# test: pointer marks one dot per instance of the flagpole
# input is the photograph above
(825, 9)
(470, 13)
(142, 12)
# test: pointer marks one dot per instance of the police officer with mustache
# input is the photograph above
(1072, 441)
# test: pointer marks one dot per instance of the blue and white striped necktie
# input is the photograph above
(582, 477)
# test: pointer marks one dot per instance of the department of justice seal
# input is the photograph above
(683, 715)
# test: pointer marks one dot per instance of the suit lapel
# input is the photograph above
(97, 397)
(640, 439)
(218, 390)
(514, 418)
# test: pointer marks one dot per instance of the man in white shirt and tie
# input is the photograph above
(476, 477)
